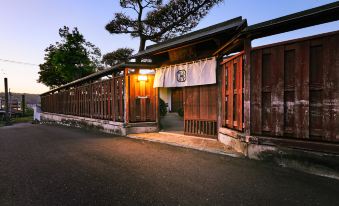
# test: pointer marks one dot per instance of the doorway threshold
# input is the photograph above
(185, 141)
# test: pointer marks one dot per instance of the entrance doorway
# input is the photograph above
(177, 99)
(172, 122)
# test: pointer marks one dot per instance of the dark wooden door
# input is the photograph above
(200, 112)
(142, 97)
(176, 99)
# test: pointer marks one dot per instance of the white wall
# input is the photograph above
(165, 94)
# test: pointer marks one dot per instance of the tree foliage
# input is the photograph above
(117, 56)
(156, 21)
(68, 60)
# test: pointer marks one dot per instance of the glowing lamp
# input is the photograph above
(142, 78)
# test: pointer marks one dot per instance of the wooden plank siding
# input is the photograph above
(294, 89)
(142, 99)
(232, 92)
(98, 100)
(200, 110)
(112, 99)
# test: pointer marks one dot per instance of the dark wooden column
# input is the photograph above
(6, 101)
(126, 96)
(220, 94)
(247, 86)
(23, 105)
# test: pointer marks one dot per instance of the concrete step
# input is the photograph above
(191, 142)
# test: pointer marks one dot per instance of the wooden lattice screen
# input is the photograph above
(232, 92)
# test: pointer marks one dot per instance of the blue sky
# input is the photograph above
(29, 26)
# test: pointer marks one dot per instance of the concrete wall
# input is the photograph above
(318, 163)
(106, 126)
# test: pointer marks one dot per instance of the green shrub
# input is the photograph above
(181, 112)
(163, 108)
(29, 112)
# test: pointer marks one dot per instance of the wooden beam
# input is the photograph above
(126, 96)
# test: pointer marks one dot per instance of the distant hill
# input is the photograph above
(30, 98)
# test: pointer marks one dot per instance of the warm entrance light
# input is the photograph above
(142, 78)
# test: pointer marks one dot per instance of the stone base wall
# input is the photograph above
(314, 161)
(111, 127)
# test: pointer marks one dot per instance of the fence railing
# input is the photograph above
(100, 100)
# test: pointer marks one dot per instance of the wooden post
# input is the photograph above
(126, 98)
(6, 101)
(220, 94)
(23, 105)
(157, 108)
(247, 86)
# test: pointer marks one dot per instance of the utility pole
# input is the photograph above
(6, 102)
(23, 104)
(10, 103)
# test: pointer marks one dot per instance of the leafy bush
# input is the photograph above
(163, 108)
(181, 112)
(29, 112)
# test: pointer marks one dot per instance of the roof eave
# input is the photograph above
(103, 73)
(318, 15)
(188, 38)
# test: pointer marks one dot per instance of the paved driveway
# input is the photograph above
(47, 165)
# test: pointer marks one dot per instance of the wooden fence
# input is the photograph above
(294, 89)
(99, 100)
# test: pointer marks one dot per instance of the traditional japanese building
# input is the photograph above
(283, 94)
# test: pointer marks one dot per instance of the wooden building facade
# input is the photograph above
(285, 93)
(119, 94)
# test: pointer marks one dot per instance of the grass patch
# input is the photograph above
(22, 119)
(17, 120)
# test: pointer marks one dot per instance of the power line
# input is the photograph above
(18, 62)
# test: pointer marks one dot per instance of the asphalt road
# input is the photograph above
(47, 165)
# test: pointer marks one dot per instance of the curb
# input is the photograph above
(188, 147)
